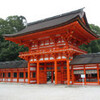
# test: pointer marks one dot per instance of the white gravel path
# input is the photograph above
(16, 91)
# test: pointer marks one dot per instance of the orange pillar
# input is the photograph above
(85, 75)
(17, 75)
(98, 73)
(55, 63)
(68, 71)
(28, 72)
(37, 72)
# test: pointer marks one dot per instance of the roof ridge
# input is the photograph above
(57, 16)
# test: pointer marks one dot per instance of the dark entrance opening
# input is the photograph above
(50, 77)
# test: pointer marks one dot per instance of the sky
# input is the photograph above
(34, 10)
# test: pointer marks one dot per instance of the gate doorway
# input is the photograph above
(50, 77)
(47, 73)
(50, 72)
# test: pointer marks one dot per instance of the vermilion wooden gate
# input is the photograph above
(43, 76)
(61, 73)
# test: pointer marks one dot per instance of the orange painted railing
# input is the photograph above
(53, 50)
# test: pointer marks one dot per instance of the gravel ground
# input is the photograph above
(17, 91)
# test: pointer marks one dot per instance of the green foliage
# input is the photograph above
(95, 29)
(10, 50)
(94, 46)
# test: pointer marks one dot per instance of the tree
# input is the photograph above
(10, 50)
(94, 46)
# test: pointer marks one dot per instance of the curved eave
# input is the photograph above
(12, 37)
(87, 29)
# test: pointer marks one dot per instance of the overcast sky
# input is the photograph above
(35, 10)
